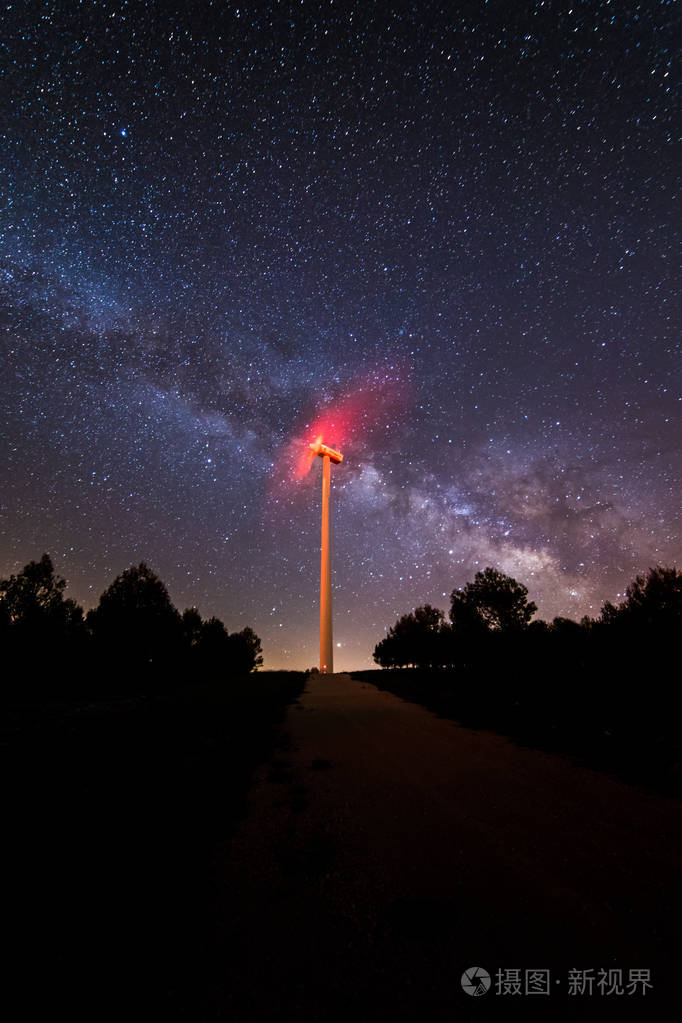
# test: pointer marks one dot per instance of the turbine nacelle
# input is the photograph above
(318, 448)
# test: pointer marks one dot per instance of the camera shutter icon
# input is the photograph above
(475, 981)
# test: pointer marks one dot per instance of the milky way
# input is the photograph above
(223, 223)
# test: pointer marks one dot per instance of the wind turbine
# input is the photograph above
(328, 455)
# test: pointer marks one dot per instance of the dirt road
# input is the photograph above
(387, 850)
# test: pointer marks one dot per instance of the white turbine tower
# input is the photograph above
(328, 455)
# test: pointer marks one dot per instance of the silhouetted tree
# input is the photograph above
(32, 604)
(44, 641)
(191, 627)
(413, 640)
(136, 621)
(385, 652)
(602, 688)
(651, 602)
(215, 652)
(492, 602)
(245, 651)
(134, 630)
(565, 627)
(213, 648)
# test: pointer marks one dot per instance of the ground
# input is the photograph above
(386, 850)
(155, 870)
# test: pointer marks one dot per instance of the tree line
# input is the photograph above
(605, 689)
(135, 638)
(494, 609)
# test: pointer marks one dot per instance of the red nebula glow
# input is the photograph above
(350, 423)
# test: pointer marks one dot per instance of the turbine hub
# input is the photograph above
(321, 449)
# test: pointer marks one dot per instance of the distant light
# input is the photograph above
(124, 133)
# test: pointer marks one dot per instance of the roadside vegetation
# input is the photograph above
(129, 738)
(606, 690)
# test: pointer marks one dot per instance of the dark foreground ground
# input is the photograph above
(113, 815)
(388, 850)
(378, 853)
(620, 721)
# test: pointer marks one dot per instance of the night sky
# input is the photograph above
(443, 236)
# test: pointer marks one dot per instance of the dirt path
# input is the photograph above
(387, 850)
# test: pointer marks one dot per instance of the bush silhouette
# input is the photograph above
(492, 601)
(44, 641)
(415, 639)
(245, 651)
(32, 604)
(135, 621)
(575, 686)
(133, 637)
(652, 602)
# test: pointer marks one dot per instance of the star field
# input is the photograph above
(446, 232)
